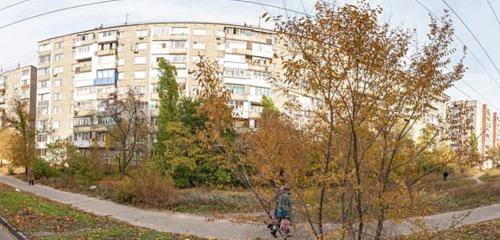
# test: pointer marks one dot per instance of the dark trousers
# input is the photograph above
(31, 182)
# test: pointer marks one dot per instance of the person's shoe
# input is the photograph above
(274, 234)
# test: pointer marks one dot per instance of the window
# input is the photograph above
(260, 91)
(141, 46)
(55, 124)
(140, 60)
(199, 32)
(88, 104)
(173, 58)
(57, 70)
(57, 82)
(57, 110)
(79, 91)
(44, 84)
(179, 30)
(41, 138)
(121, 47)
(141, 33)
(120, 76)
(122, 34)
(121, 62)
(26, 72)
(44, 59)
(58, 45)
(83, 49)
(42, 110)
(81, 136)
(199, 45)
(57, 96)
(85, 37)
(138, 89)
(236, 88)
(140, 75)
(161, 31)
(257, 75)
(235, 72)
(83, 121)
(108, 34)
(178, 44)
(105, 77)
(58, 57)
(44, 47)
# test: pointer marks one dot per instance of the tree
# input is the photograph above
(60, 151)
(21, 147)
(494, 154)
(370, 90)
(129, 134)
(168, 93)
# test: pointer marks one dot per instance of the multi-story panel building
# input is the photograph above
(77, 71)
(434, 116)
(19, 83)
(471, 117)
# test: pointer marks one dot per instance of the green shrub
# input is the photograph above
(10, 170)
(85, 170)
(42, 169)
(146, 187)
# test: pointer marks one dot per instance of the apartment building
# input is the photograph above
(78, 70)
(471, 117)
(18, 83)
(496, 130)
(434, 116)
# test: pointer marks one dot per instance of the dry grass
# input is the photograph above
(489, 230)
(491, 175)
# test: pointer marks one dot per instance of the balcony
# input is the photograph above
(104, 81)
(83, 69)
(106, 52)
(108, 38)
(170, 37)
(79, 43)
(178, 51)
(83, 55)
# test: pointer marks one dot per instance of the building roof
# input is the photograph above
(266, 30)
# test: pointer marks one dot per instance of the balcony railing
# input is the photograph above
(83, 69)
(105, 81)
(106, 52)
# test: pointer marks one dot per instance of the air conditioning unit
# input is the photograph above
(54, 75)
(141, 38)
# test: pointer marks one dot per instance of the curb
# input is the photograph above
(19, 235)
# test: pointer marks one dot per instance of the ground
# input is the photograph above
(489, 230)
(40, 218)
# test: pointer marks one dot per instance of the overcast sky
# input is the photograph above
(18, 43)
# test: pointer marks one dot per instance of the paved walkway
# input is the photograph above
(5, 234)
(223, 229)
(477, 178)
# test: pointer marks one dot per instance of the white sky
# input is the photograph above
(18, 44)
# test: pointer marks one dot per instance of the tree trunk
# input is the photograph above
(325, 172)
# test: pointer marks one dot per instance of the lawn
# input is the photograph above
(491, 175)
(489, 230)
(39, 218)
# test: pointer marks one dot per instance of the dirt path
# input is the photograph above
(477, 178)
(223, 229)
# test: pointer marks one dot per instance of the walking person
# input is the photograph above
(282, 212)
(31, 177)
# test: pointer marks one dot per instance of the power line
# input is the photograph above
(13, 4)
(475, 38)
(463, 43)
(271, 6)
(494, 12)
(54, 11)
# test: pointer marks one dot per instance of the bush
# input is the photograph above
(10, 171)
(85, 170)
(146, 187)
(42, 169)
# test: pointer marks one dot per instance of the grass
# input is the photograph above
(491, 175)
(194, 200)
(39, 218)
(489, 230)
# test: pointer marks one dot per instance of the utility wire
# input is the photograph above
(13, 4)
(430, 12)
(54, 11)
(271, 6)
(494, 12)
(475, 38)
(462, 42)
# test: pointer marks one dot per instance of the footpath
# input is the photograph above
(202, 226)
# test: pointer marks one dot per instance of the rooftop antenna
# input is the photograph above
(126, 18)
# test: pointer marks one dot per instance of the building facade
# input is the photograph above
(19, 83)
(472, 117)
(77, 71)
